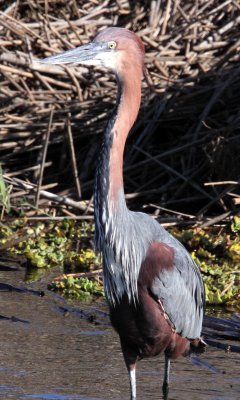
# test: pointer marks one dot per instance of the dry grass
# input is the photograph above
(187, 134)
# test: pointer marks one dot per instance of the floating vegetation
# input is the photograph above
(77, 288)
(68, 244)
(50, 244)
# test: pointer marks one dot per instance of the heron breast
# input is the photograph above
(160, 256)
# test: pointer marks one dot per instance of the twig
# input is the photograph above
(51, 196)
(73, 156)
(44, 154)
(215, 220)
(79, 274)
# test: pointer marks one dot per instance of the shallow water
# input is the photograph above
(48, 351)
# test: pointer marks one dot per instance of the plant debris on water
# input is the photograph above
(68, 244)
(78, 288)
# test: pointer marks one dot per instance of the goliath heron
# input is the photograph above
(153, 287)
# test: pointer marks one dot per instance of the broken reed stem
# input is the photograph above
(44, 154)
(73, 157)
(48, 195)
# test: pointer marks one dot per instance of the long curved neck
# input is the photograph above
(109, 193)
(126, 114)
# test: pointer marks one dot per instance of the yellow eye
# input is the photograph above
(112, 44)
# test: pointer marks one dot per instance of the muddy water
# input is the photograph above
(50, 351)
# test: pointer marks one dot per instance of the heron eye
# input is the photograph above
(112, 44)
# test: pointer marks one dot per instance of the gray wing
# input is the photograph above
(181, 292)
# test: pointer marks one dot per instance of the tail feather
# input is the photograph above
(198, 346)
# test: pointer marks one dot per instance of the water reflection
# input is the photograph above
(56, 396)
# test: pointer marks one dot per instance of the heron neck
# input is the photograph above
(109, 192)
(129, 95)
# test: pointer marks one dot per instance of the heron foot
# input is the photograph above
(165, 390)
(165, 386)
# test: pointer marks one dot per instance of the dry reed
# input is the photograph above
(183, 156)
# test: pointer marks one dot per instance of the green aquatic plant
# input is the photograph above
(84, 259)
(235, 226)
(77, 288)
(68, 245)
(45, 249)
(45, 245)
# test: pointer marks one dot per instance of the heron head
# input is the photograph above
(113, 48)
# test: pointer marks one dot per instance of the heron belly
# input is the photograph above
(143, 328)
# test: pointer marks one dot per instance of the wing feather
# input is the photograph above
(176, 281)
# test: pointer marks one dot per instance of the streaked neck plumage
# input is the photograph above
(111, 214)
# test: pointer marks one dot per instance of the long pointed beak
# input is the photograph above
(86, 55)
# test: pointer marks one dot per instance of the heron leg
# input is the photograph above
(130, 359)
(132, 381)
(165, 386)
